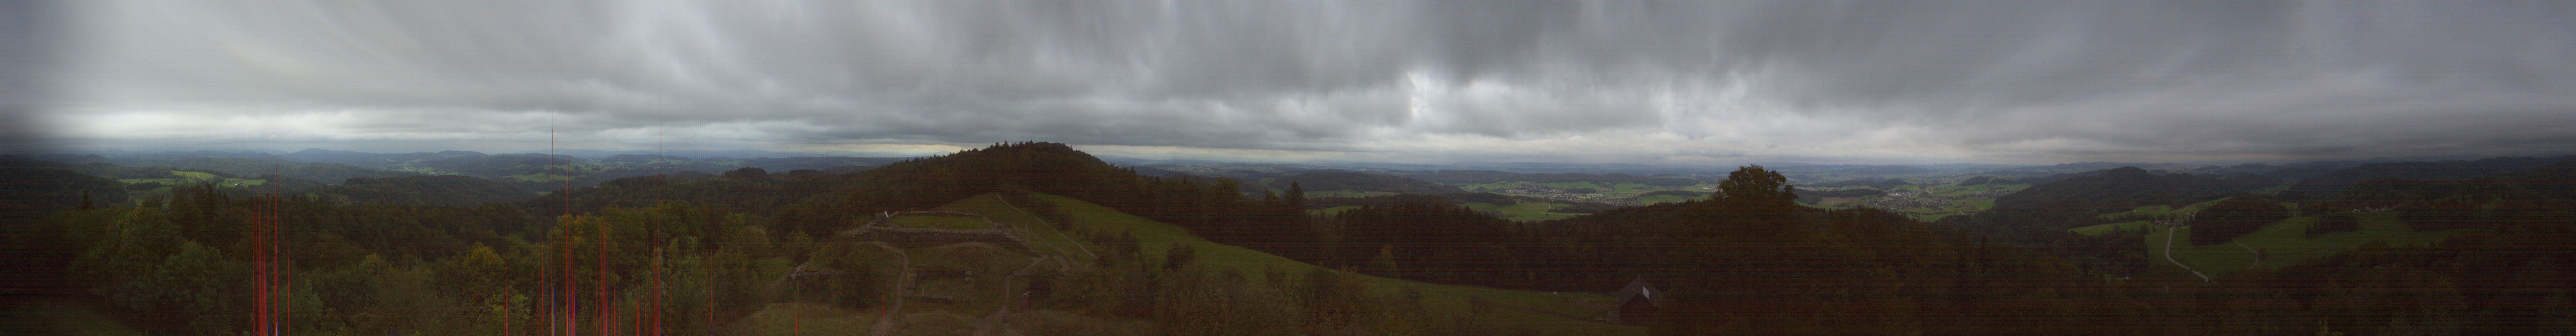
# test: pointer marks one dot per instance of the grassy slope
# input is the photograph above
(2284, 245)
(939, 222)
(1551, 314)
(192, 175)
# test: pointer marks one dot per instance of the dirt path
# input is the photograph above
(2169, 234)
(903, 279)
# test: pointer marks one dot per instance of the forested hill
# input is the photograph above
(30, 189)
(438, 190)
(1732, 263)
(2074, 201)
(810, 201)
(2332, 183)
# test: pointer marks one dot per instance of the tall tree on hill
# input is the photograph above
(1296, 196)
(1754, 185)
(1758, 203)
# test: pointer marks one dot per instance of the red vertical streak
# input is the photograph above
(285, 264)
(281, 300)
(259, 270)
(657, 292)
(571, 314)
(571, 308)
(605, 307)
(286, 272)
(544, 296)
(658, 240)
(565, 316)
(554, 321)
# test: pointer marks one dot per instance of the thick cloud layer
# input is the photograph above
(1356, 80)
(29, 49)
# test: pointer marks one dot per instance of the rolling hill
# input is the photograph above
(2335, 182)
(2078, 199)
(1541, 312)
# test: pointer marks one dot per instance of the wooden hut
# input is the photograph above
(1637, 303)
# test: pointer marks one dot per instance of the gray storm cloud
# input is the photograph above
(1367, 80)
(30, 34)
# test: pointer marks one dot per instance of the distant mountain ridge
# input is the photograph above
(2077, 199)
(2335, 182)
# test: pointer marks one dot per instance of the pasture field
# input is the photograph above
(200, 176)
(1927, 202)
(2283, 243)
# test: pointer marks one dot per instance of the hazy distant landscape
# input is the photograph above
(1077, 245)
(1382, 167)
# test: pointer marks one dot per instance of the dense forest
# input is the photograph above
(716, 253)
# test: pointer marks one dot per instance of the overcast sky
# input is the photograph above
(1377, 80)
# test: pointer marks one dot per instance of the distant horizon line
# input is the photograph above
(762, 153)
